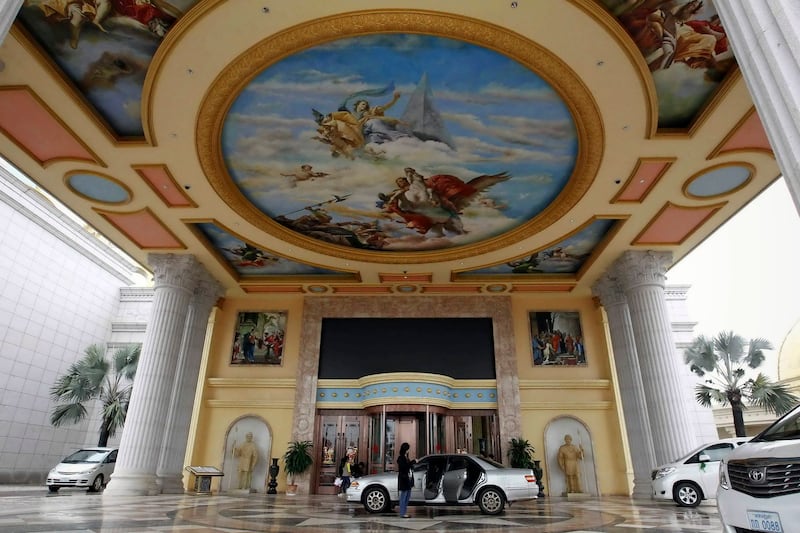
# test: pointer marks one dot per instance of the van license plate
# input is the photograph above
(764, 521)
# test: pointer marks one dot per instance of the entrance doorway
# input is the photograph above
(372, 437)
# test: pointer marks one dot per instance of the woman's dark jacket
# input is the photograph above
(404, 473)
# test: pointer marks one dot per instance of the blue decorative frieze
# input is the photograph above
(408, 388)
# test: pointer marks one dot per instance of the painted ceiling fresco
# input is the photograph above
(685, 48)
(564, 257)
(387, 142)
(104, 48)
(392, 142)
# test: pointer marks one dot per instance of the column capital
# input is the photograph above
(179, 271)
(609, 291)
(634, 269)
(206, 292)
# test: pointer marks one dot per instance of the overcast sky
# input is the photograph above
(744, 276)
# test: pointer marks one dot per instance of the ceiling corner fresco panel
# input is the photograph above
(686, 49)
(104, 48)
(389, 143)
(251, 261)
(565, 257)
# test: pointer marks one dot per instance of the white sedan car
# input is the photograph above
(759, 483)
(449, 479)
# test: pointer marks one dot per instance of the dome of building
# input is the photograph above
(788, 360)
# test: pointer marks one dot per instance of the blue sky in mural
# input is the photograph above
(565, 257)
(249, 260)
(495, 117)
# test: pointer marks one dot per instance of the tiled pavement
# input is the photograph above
(32, 509)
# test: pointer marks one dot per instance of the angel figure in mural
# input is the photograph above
(435, 204)
(251, 256)
(353, 129)
(155, 16)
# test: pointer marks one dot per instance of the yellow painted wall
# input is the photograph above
(231, 392)
(546, 392)
(584, 392)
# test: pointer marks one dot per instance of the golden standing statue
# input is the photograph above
(569, 456)
(247, 454)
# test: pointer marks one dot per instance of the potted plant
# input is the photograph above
(520, 455)
(296, 461)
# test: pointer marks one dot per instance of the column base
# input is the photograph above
(123, 484)
(171, 484)
(642, 490)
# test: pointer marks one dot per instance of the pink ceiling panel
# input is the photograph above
(34, 127)
(645, 176)
(674, 224)
(161, 181)
(143, 228)
(750, 135)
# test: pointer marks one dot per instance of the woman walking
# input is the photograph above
(405, 478)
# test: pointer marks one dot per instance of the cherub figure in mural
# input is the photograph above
(435, 204)
(305, 173)
(251, 256)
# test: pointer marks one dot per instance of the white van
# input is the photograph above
(694, 477)
(759, 483)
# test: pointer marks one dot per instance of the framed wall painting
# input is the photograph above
(556, 338)
(258, 338)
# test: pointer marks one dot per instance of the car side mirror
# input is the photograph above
(704, 458)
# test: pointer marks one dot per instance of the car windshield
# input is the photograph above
(86, 456)
(785, 428)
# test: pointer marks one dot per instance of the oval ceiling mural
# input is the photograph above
(399, 142)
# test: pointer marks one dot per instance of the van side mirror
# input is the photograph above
(704, 458)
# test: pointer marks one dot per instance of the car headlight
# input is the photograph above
(89, 471)
(662, 472)
(723, 475)
(353, 485)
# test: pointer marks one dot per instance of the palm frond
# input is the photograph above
(755, 352)
(700, 356)
(68, 413)
(706, 395)
(771, 396)
(126, 360)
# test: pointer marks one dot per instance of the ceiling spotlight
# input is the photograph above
(265, 9)
(617, 181)
(187, 187)
(601, 63)
(514, 4)
(189, 71)
(625, 127)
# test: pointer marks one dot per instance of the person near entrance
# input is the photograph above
(345, 472)
(405, 479)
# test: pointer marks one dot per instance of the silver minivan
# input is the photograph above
(88, 468)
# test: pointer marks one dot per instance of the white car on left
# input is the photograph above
(88, 468)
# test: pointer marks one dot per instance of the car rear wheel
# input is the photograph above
(686, 494)
(376, 500)
(53, 489)
(97, 484)
(491, 501)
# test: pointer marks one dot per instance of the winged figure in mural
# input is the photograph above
(251, 256)
(435, 204)
(354, 127)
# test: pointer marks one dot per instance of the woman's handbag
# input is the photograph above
(337, 482)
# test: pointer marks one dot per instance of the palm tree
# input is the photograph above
(91, 378)
(722, 360)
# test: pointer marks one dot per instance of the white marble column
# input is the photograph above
(629, 377)
(765, 39)
(142, 437)
(8, 13)
(176, 430)
(642, 278)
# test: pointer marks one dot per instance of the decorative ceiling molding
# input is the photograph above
(161, 181)
(143, 228)
(673, 224)
(645, 176)
(747, 136)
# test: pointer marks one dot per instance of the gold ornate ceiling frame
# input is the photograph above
(228, 85)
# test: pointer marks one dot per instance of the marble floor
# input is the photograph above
(33, 509)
